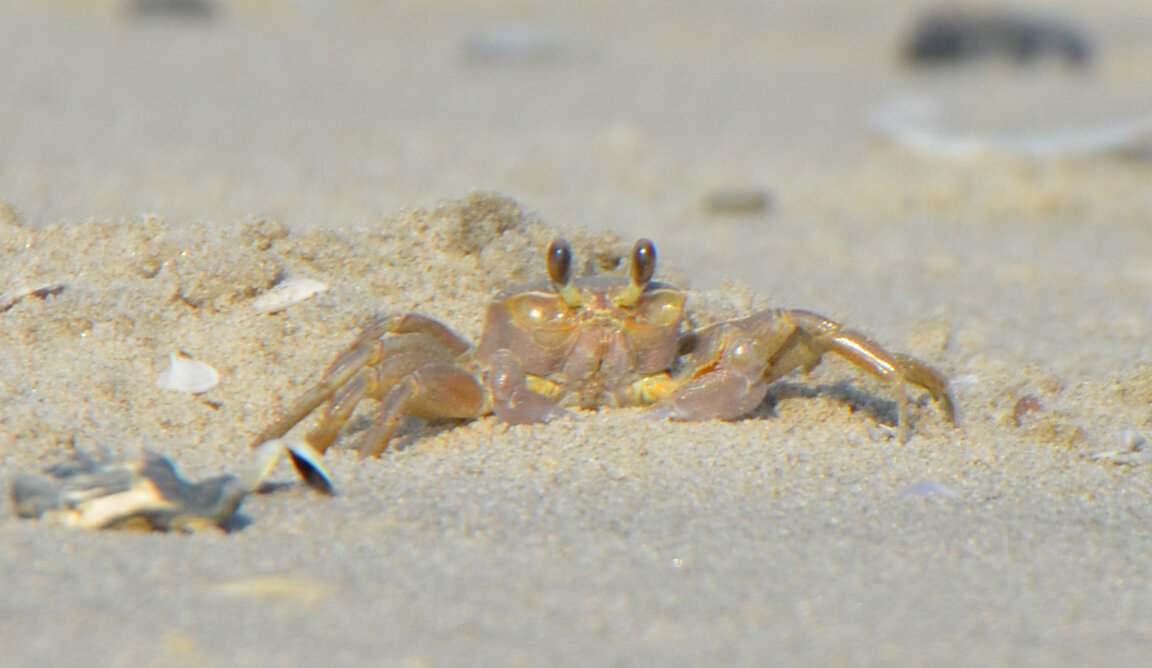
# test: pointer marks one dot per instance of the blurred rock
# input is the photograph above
(195, 10)
(952, 37)
(738, 201)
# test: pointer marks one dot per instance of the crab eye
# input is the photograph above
(643, 262)
(560, 262)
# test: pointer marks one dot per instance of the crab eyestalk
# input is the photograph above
(560, 272)
(641, 271)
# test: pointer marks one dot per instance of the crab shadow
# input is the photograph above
(238, 522)
(412, 430)
(882, 411)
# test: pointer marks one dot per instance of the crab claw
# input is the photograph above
(304, 458)
(513, 401)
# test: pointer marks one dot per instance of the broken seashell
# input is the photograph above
(1135, 453)
(929, 489)
(88, 492)
(287, 293)
(104, 492)
(13, 297)
(304, 458)
(185, 375)
(304, 589)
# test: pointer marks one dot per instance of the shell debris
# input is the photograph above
(185, 375)
(302, 588)
(102, 492)
(1135, 453)
(13, 297)
(99, 491)
(304, 458)
(287, 293)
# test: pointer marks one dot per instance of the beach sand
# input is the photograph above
(165, 164)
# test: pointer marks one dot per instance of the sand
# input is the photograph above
(166, 167)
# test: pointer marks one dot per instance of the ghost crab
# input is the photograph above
(589, 342)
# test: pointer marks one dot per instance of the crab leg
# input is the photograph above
(343, 401)
(302, 407)
(895, 368)
(734, 362)
(434, 391)
(409, 341)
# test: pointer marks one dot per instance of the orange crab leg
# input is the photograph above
(431, 391)
(734, 363)
(895, 368)
(397, 344)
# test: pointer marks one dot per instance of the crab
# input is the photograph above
(590, 342)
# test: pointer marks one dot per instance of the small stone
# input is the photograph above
(738, 201)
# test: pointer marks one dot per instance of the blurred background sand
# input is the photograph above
(169, 160)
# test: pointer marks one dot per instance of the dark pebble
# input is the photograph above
(950, 37)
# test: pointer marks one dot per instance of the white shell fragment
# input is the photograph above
(1135, 453)
(929, 489)
(287, 293)
(185, 375)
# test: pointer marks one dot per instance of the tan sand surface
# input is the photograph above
(168, 164)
